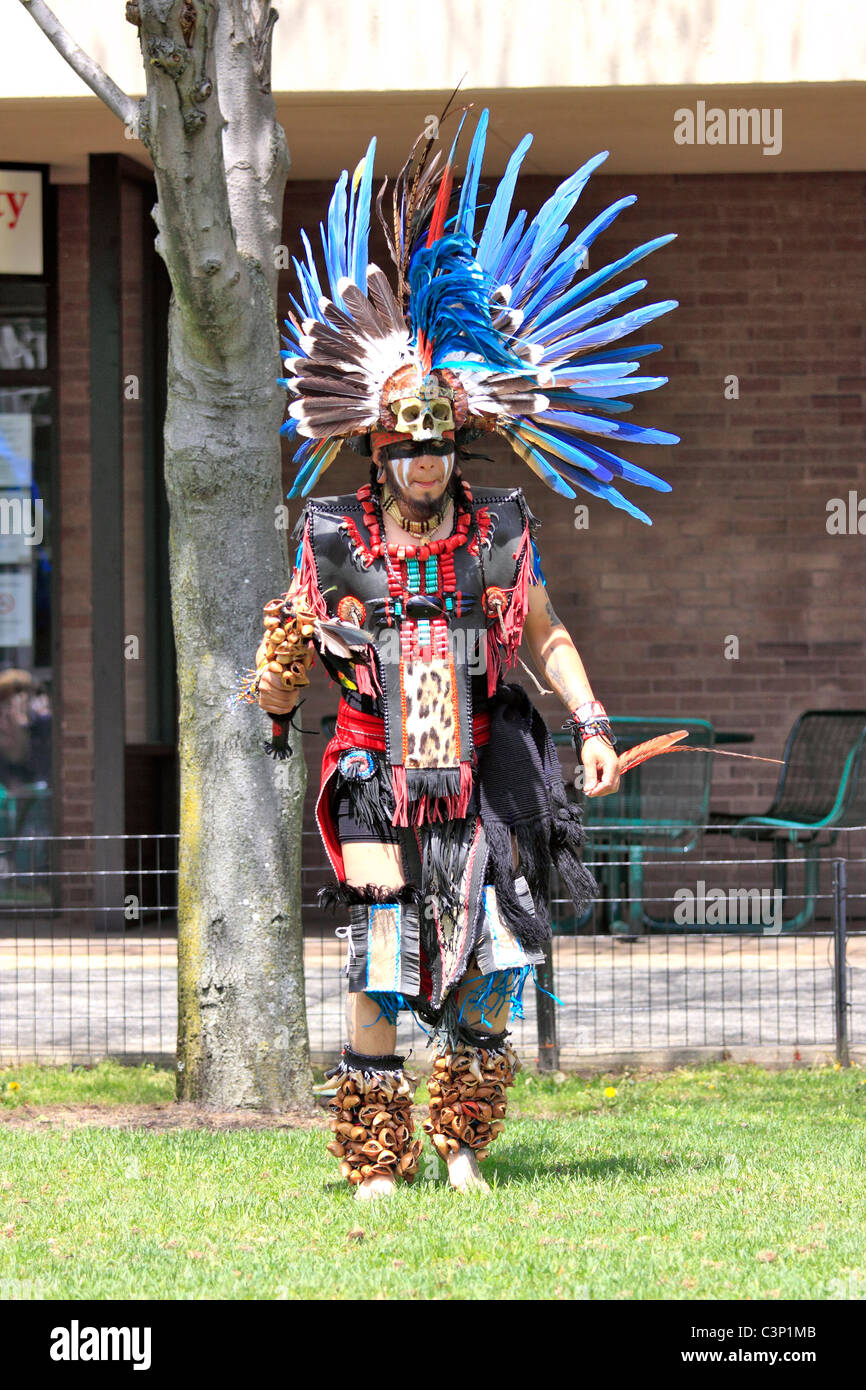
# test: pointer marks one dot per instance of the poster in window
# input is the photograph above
(16, 450)
(16, 608)
(20, 527)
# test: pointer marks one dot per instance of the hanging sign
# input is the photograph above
(20, 222)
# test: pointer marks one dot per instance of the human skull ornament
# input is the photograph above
(424, 419)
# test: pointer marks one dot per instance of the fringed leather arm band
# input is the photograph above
(589, 720)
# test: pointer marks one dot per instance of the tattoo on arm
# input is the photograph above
(551, 615)
(559, 676)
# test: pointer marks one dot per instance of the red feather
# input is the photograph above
(641, 751)
(665, 744)
(443, 198)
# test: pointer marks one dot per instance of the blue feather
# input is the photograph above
(632, 387)
(320, 460)
(607, 272)
(311, 452)
(556, 277)
(449, 298)
(361, 234)
(449, 162)
(549, 473)
(543, 232)
(622, 468)
(574, 399)
(310, 292)
(608, 332)
(509, 244)
(607, 492)
(595, 371)
(535, 269)
(566, 450)
(311, 273)
(512, 267)
(331, 267)
(494, 227)
(567, 419)
(604, 219)
(465, 225)
(569, 261)
(580, 318)
(600, 462)
(637, 434)
(304, 449)
(617, 354)
(584, 476)
(335, 241)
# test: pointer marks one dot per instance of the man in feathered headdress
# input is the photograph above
(442, 807)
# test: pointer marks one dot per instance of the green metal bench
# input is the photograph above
(661, 807)
(821, 791)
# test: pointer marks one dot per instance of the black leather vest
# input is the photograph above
(341, 573)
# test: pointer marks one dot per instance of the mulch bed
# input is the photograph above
(159, 1117)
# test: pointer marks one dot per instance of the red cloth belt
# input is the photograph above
(368, 730)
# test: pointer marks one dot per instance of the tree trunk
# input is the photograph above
(220, 162)
(242, 1036)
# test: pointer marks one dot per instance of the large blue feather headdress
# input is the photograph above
(505, 319)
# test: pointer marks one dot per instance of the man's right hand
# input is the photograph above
(273, 697)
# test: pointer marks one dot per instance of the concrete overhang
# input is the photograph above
(817, 128)
(611, 75)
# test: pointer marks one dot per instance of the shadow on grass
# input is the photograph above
(525, 1169)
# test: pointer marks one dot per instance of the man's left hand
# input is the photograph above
(600, 766)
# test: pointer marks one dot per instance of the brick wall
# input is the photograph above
(770, 274)
(769, 271)
(74, 679)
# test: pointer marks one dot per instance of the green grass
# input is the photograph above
(722, 1181)
(109, 1083)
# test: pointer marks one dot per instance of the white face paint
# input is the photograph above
(401, 469)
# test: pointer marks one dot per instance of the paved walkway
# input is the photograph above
(85, 997)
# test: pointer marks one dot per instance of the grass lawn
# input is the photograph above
(724, 1181)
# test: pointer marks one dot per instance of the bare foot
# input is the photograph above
(463, 1171)
(371, 1188)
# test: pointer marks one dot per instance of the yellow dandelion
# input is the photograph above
(13, 1086)
(610, 1092)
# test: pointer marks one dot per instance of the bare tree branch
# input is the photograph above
(87, 69)
(254, 142)
(183, 124)
(260, 18)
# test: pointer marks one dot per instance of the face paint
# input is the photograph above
(403, 467)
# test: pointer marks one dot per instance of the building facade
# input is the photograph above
(742, 604)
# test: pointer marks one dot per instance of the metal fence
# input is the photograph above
(88, 956)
